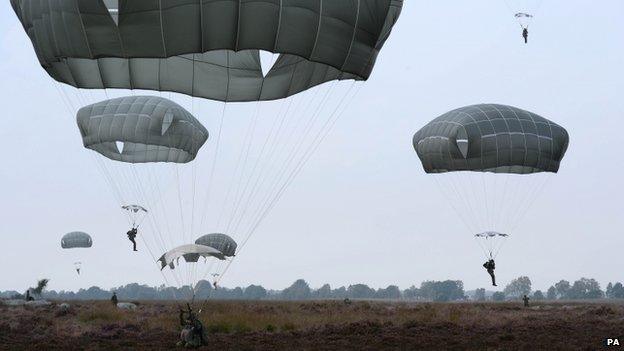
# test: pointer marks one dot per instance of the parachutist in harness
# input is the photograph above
(132, 233)
(490, 266)
(215, 284)
(114, 299)
(78, 270)
(192, 334)
(525, 34)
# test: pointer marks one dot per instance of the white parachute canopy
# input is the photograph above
(491, 242)
(191, 254)
(136, 214)
(524, 10)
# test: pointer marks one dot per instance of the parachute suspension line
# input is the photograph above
(241, 156)
(321, 135)
(243, 168)
(290, 130)
(261, 174)
(293, 150)
(259, 157)
(530, 201)
(487, 208)
(459, 195)
(449, 200)
(503, 203)
(213, 166)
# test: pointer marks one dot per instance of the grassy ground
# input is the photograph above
(326, 325)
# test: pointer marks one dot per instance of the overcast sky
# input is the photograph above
(362, 210)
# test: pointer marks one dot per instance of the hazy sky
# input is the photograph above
(362, 210)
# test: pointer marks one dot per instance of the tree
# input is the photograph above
(498, 296)
(360, 291)
(254, 292)
(411, 293)
(41, 285)
(324, 292)
(448, 290)
(479, 294)
(562, 288)
(339, 293)
(551, 294)
(391, 292)
(299, 290)
(538, 295)
(585, 288)
(617, 291)
(609, 290)
(518, 287)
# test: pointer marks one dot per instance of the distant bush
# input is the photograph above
(498, 296)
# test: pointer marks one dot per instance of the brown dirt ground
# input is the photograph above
(326, 325)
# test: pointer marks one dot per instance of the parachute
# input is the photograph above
(491, 138)
(207, 56)
(524, 10)
(491, 242)
(221, 242)
(207, 49)
(491, 161)
(136, 214)
(191, 254)
(76, 240)
(148, 128)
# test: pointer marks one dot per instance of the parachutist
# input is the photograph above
(525, 35)
(114, 299)
(215, 284)
(78, 271)
(192, 334)
(526, 301)
(490, 266)
(132, 233)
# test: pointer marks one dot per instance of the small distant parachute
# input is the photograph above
(191, 254)
(221, 242)
(491, 242)
(141, 129)
(524, 10)
(75, 240)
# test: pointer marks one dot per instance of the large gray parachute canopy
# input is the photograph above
(491, 138)
(218, 241)
(76, 240)
(207, 48)
(190, 252)
(140, 129)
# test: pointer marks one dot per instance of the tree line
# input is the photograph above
(447, 290)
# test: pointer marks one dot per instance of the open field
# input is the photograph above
(326, 325)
